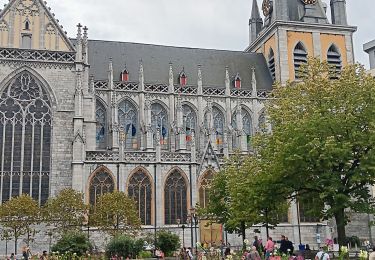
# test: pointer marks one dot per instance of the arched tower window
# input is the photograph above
(140, 190)
(175, 198)
(247, 127)
(160, 121)
(101, 183)
(334, 60)
(271, 64)
(25, 139)
(300, 58)
(190, 122)
(101, 125)
(204, 188)
(128, 120)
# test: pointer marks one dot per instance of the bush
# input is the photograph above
(72, 242)
(167, 242)
(145, 254)
(124, 246)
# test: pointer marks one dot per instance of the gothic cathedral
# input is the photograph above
(153, 121)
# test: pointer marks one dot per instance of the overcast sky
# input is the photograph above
(216, 24)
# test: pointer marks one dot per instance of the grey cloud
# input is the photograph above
(216, 24)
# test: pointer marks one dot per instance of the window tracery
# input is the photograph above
(190, 122)
(204, 188)
(101, 183)
(175, 199)
(25, 139)
(128, 120)
(247, 127)
(218, 124)
(159, 121)
(101, 125)
(140, 190)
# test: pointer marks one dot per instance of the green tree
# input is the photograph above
(115, 213)
(124, 246)
(322, 141)
(167, 241)
(66, 212)
(72, 242)
(18, 215)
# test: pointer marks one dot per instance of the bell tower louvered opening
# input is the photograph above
(299, 58)
(334, 61)
(271, 64)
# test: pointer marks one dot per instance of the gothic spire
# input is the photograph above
(255, 22)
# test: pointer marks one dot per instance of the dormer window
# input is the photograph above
(125, 75)
(237, 81)
(183, 78)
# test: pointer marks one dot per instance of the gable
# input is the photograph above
(29, 24)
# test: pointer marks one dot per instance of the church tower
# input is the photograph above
(294, 30)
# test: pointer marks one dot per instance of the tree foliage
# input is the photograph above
(240, 196)
(66, 212)
(18, 215)
(72, 242)
(115, 213)
(167, 241)
(124, 246)
(322, 141)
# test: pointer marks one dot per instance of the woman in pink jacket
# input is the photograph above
(270, 245)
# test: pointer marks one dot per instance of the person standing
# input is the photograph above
(283, 245)
(289, 246)
(321, 255)
(270, 246)
(253, 254)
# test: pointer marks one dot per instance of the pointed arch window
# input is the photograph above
(101, 183)
(128, 120)
(305, 205)
(218, 124)
(140, 190)
(159, 121)
(190, 122)
(101, 125)
(262, 124)
(204, 188)
(175, 198)
(271, 64)
(300, 58)
(25, 139)
(334, 60)
(247, 127)
(183, 78)
(27, 25)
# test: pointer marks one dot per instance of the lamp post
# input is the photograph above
(183, 226)
(194, 220)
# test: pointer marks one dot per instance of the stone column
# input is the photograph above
(142, 109)
(172, 118)
(228, 113)
(149, 131)
(181, 132)
(200, 115)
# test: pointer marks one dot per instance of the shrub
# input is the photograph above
(73, 242)
(145, 254)
(124, 246)
(167, 242)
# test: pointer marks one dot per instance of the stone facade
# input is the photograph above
(107, 132)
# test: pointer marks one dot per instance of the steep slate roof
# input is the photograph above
(156, 59)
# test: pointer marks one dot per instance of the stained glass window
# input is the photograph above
(101, 183)
(159, 122)
(190, 121)
(128, 120)
(175, 199)
(101, 125)
(204, 188)
(247, 128)
(25, 139)
(218, 124)
(140, 190)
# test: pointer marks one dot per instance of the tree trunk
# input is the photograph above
(243, 233)
(340, 224)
